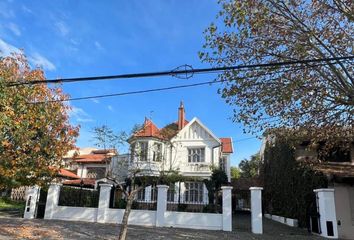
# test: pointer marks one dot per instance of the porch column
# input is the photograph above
(32, 194)
(52, 200)
(103, 204)
(161, 205)
(226, 208)
(256, 210)
(327, 211)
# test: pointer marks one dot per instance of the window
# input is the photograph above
(157, 152)
(132, 152)
(153, 193)
(196, 155)
(143, 151)
(193, 192)
(96, 173)
(141, 195)
(222, 163)
(171, 193)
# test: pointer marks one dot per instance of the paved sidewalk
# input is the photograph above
(18, 228)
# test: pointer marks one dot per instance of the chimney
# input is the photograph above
(181, 117)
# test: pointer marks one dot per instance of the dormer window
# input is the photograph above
(196, 155)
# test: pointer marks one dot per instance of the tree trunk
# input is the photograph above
(124, 225)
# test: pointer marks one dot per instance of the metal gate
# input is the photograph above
(42, 199)
(314, 215)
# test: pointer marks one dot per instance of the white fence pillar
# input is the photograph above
(103, 204)
(52, 200)
(327, 211)
(256, 210)
(226, 208)
(161, 205)
(31, 202)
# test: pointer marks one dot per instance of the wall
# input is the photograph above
(344, 210)
(209, 221)
(160, 217)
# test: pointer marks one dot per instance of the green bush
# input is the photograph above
(288, 184)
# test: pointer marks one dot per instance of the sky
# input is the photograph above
(90, 38)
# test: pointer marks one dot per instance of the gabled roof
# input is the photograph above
(202, 125)
(149, 129)
(66, 173)
(226, 145)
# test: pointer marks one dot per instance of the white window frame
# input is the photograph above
(157, 152)
(143, 151)
(196, 154)
(194, 192)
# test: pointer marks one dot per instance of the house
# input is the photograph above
(337, 166)
(188, 147)
(89, 164)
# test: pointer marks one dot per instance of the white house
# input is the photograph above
(188, 147)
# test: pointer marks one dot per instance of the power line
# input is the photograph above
(177, 72)
(128, 93)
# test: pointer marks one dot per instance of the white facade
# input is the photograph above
(192, 152)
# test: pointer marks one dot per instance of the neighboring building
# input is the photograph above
(188, 147)
(89, 164)
(338, 167)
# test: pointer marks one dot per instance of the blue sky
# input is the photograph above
(89, 38)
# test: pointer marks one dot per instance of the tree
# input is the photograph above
(235, 172)
(250, 168)
(33, 136)
(217, 180)
(308, 96)
(131, 178)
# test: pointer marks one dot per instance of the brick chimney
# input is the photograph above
(181, 116)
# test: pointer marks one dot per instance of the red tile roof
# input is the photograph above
(91, 158)
(226, 145)
(149, 130)
(67, 173)
(77, 182)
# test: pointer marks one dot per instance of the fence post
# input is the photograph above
(256, 210)
(161, 205)
(31, 202)
(52, 200)
(226, 208)
(103, 203)
(327, 211)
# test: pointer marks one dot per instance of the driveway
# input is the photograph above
(18, 228)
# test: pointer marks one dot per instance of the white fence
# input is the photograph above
(160, 218)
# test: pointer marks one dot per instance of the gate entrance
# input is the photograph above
(42, 199)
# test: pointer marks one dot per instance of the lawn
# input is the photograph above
(7, 204)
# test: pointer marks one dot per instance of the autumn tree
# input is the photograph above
(33, 136)
(309, 96)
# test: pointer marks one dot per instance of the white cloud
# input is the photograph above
(110, 108)
(79, 115)
(98, 45)
(14, 29)
(26, 9)
(95, 100)
(40, 61)
(35, 59)
(6, 49)
(62, 28)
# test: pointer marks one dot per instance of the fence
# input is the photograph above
(78, 197)
(19, 194)
(161, 217)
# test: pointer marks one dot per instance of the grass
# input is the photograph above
(7, 204)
